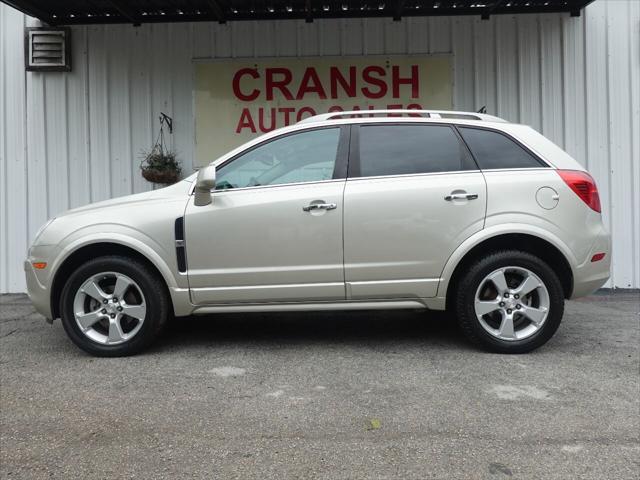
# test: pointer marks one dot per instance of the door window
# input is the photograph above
(409, 149)
(308, 156)
(495, 150)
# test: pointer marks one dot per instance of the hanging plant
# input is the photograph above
(160, 164)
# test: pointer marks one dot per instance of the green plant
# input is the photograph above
(160, 165)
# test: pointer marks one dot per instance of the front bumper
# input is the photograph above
(38, 280)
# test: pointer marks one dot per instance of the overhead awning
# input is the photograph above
(74, 12)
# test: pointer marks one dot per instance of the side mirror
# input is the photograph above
(205, 182)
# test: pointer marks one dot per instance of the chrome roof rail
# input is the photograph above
(445, 114)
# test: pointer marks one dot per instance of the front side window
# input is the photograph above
(308, 156)
(410, 149)
(494, 150)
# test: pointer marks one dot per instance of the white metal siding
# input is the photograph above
(76, 137)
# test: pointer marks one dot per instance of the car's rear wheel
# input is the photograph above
(114, 306)
(509, 302)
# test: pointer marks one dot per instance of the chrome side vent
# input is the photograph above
(47, 49)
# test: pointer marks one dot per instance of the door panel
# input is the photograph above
(259, 245)
(399, 231)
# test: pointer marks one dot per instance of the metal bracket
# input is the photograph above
(164, 118)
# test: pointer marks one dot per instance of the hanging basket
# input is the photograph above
(160, 165)
(160, 176)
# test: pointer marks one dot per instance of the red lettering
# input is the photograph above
(336, 78)
(252, 72)
(261, 122)
(310, 83)
(413, 80)
(356, 108)
(394, 106)
(414, 106)
(304, 110)
(246, 121)
(287, 112)
(272, 84)
(367, 77)
(336, 108)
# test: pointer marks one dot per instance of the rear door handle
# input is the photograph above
(461, 196)
(320, 206)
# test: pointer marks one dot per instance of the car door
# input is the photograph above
(412, 196)
(273, 232)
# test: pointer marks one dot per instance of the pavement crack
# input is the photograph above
(7, 334)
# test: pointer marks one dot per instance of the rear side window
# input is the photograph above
(409, 149)
(494, 150)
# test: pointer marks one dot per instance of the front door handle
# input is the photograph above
(320, 206)
(461, 196)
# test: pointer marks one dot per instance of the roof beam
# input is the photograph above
(397, 14)
(217, 11)
(308, 12)
(575, 7)
(128, 11)
(124, 10)
(489, 10)
(31, 9)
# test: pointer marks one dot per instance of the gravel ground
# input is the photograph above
(324, 395)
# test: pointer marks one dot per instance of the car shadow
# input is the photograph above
(300, 328)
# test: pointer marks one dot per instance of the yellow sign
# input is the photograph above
(236, 100)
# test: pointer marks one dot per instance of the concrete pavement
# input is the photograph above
(324, 395)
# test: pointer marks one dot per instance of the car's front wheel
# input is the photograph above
(113, 306)
(509, 302)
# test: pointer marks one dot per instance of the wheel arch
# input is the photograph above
(92, 250)
(543, 248)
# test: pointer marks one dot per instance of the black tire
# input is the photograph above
(158, 306)
(464, 298)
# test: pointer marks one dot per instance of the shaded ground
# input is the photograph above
(324, 395)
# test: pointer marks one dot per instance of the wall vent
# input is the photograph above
(47, 49)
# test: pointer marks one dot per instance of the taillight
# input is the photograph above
(584, 186)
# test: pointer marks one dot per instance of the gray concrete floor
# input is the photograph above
(324, 395)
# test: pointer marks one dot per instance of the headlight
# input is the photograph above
(42, 228)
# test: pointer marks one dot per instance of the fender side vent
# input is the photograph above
(181, 253)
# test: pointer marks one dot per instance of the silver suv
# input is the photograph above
(383, 210)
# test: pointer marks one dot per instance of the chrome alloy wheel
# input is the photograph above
(512, 303)
(109, 308)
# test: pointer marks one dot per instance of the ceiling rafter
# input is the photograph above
(308, 11)
(486, 13)
(397, 14)
(33, 9)
(126, 11)
(76, 12)
(217, 11)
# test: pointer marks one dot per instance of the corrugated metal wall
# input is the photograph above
(69, 139)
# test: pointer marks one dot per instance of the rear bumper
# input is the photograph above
(590, 276)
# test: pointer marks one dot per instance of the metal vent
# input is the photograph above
(48, 49)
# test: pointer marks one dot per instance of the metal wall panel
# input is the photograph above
(78, 136)
(13, 155)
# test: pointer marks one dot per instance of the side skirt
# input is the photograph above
(318, 306)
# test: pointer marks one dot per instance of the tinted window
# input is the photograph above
(302, 157)
(494, 150)
(406, 149)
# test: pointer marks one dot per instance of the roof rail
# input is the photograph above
(424, 113)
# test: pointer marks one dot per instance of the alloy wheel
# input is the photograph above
(512, 303)
(109, 308)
